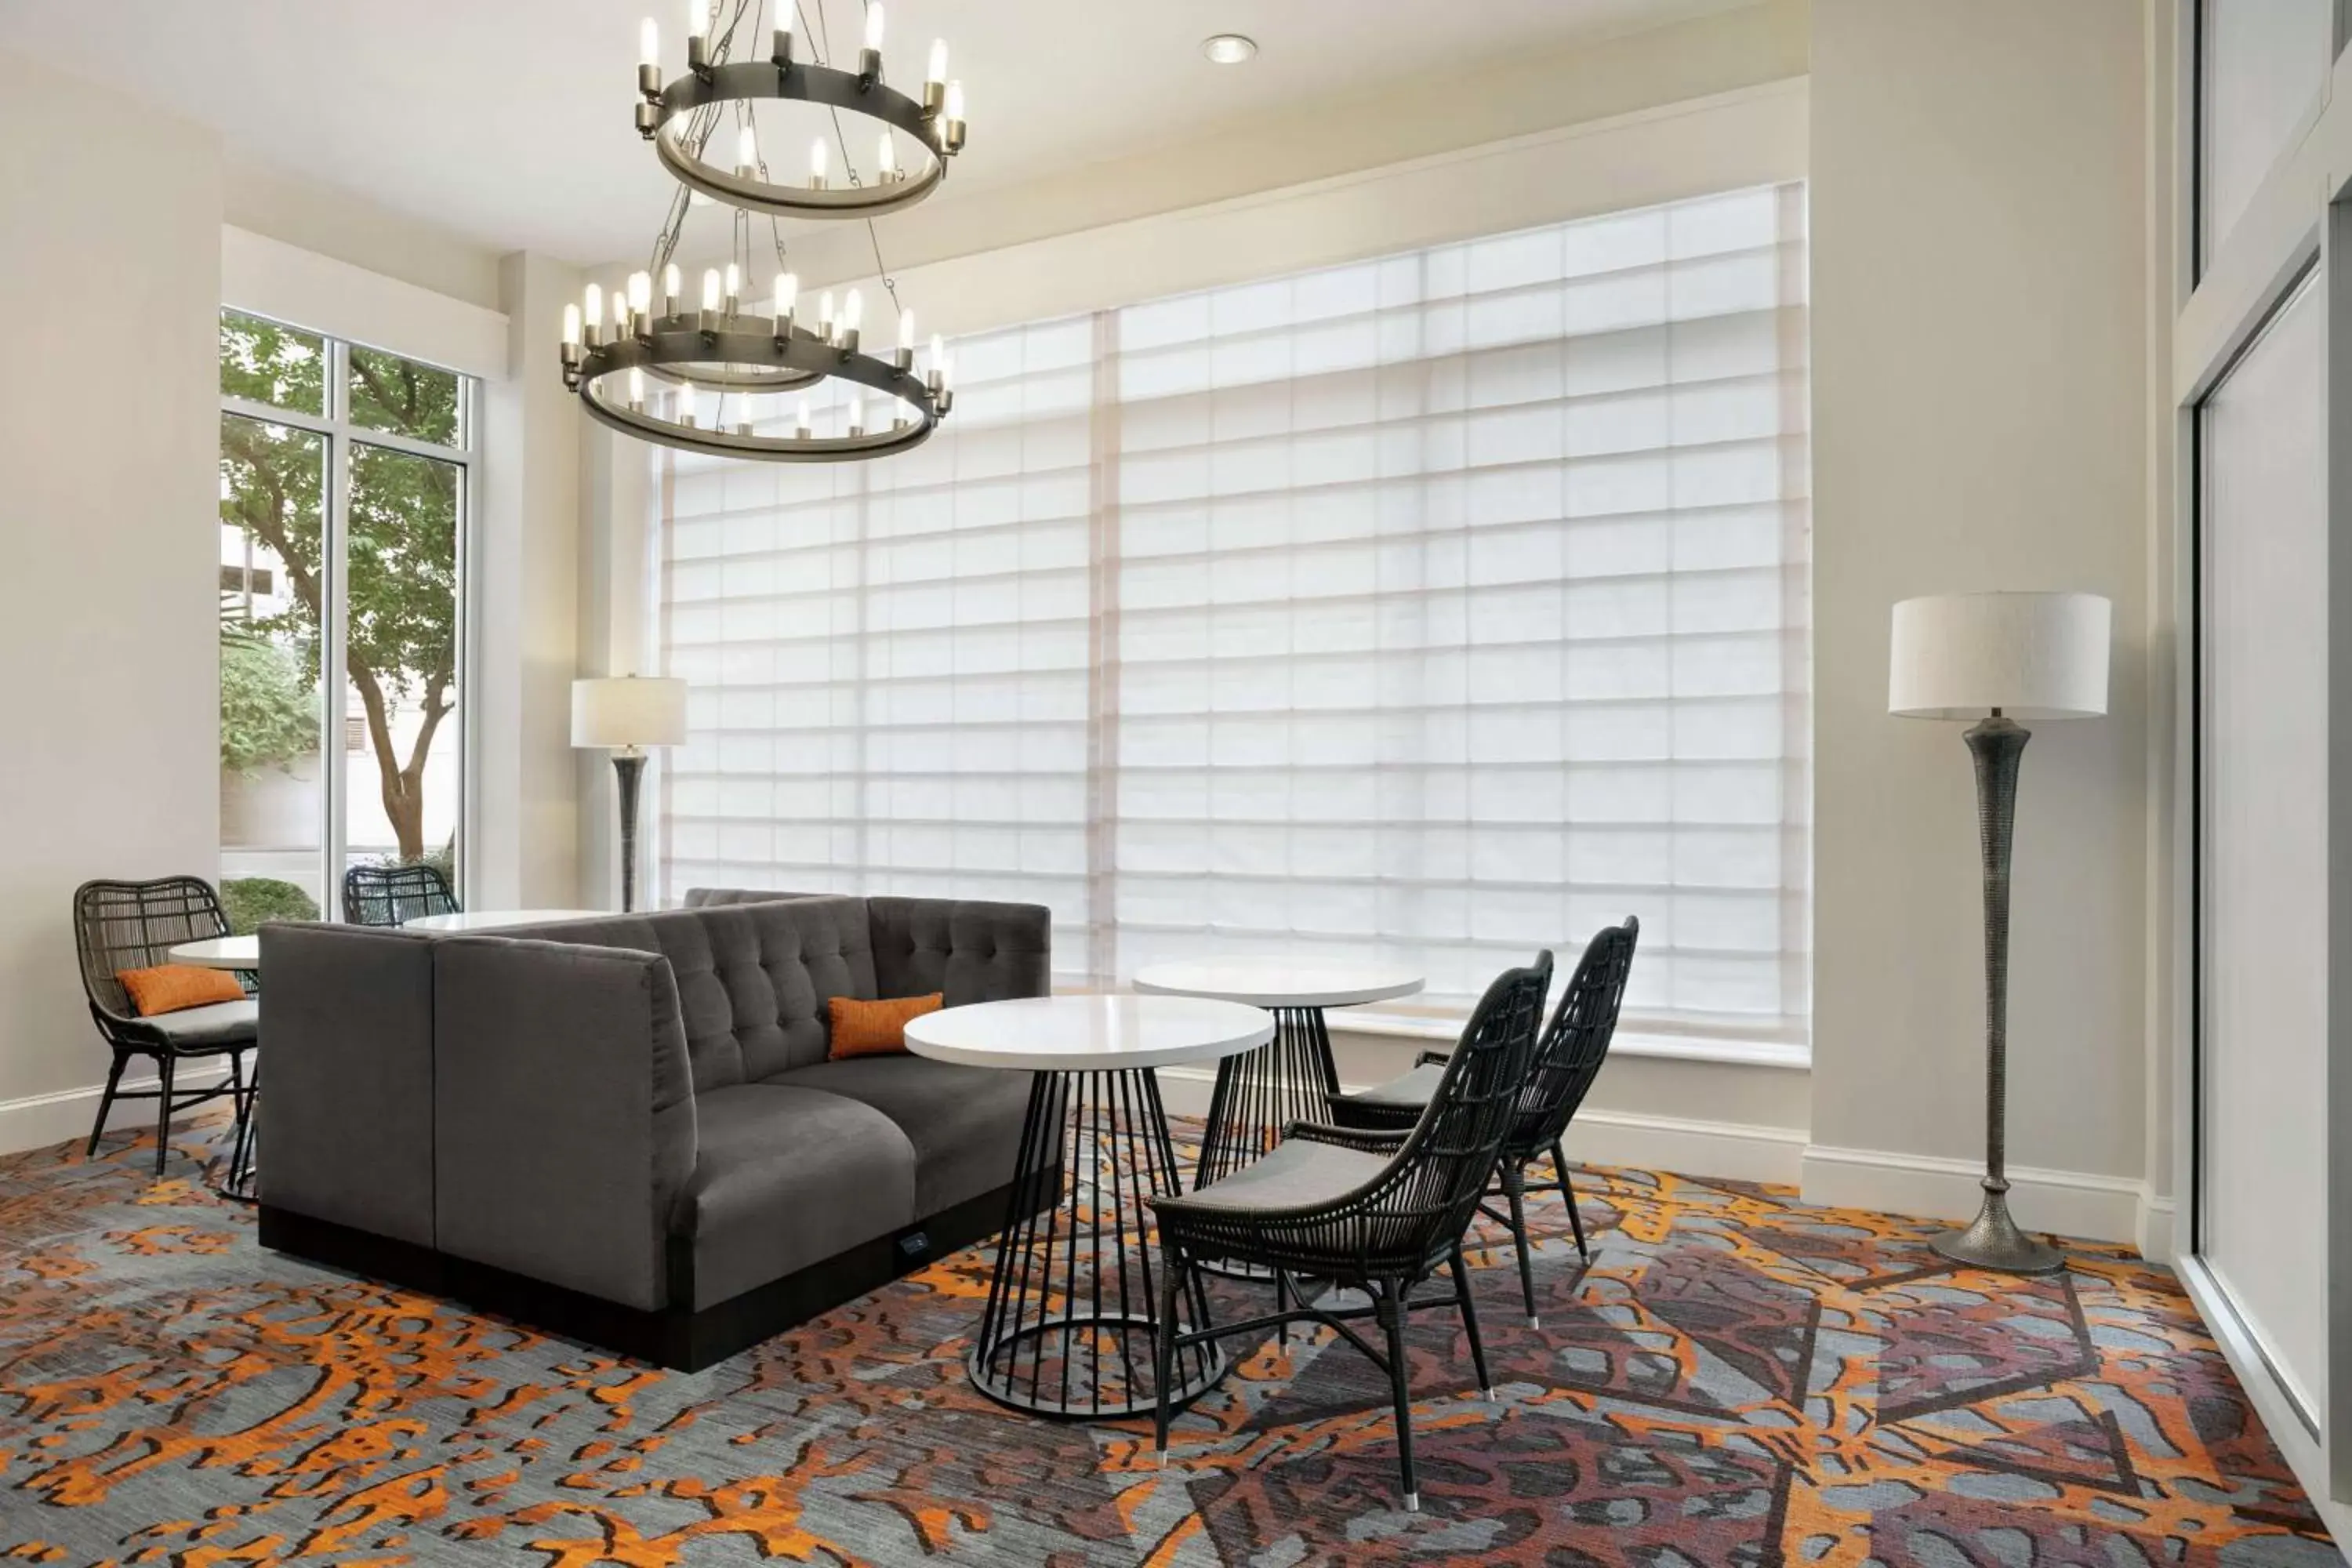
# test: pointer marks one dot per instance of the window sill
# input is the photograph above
(1628, 1043)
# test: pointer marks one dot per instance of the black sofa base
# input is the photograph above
(674, 1337)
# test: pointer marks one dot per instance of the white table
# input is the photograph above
(491, 920)
(1072, 1309)
(239, 953)
(1293, 1078)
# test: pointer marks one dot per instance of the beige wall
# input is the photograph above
(109, 437)
(1979, 422)
(351, 228)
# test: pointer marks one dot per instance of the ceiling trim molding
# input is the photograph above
(303, 288)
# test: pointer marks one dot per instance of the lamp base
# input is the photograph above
(1993, 1241)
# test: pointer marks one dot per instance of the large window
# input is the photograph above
(343, 491)
(1434, 608)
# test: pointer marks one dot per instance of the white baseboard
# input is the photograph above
(2068, 1203)
(1725, 1150)
(2155, 1235)
(37, 1121)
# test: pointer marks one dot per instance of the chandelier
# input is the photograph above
(705, 374)
(673, 117)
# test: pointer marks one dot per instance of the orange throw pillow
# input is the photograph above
(875, 1028)
(174, 987)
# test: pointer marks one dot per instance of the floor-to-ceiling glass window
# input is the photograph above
(343, 496)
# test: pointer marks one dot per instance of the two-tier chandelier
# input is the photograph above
(707, 375)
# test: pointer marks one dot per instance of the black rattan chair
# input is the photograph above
(395, 895)
(1377, 1212)
(133, 925)
(1566, 1063)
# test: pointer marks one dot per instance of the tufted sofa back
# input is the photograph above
(752, 978)
(755, 969)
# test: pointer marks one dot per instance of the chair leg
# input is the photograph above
(1282, 1304)
(165, 1062)
(1515, 1183)
(1568, 1195)
(1389, 1308)
(1470, 1321)
(1163, 1346)
(105, 1104)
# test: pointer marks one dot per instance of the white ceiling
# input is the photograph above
(508, 121)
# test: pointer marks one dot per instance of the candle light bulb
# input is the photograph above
(886, 156)
(747, 150)
(804, 427)
(734, 283)
(648, 43)
(641, 293)
(685, 402)
(873, 24)
(824, 312)
(852, 312)
(636, 387)
(817, 161)
(939, 71)
(743, 418)
(955, 100)
(710, 288)
(594, 312)
(788, 288)
(698, 17)
(670, 285)
(857, 414)
(907, 331)
(572, 326)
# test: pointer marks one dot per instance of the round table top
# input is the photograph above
(220, 953)
(491, 920)
(1087, 1034)
(1279, 982)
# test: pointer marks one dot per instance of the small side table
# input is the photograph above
(242, 955)
(1293, 1077)
(1067, 1330)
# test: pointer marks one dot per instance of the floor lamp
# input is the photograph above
(628, 714)
(1996, 658)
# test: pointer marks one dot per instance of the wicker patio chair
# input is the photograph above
(1567, 1060)
(133, 925)
(1377, 1212)
(395, 895)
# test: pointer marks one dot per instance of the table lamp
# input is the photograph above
(628, 714)
(1996, 658)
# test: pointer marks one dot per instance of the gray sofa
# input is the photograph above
(626, 1129)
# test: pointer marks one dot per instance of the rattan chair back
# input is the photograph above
(134, 925)
(1570, 1055)
(394, 895)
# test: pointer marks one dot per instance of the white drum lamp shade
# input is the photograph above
(628, 710)
(2032, 656)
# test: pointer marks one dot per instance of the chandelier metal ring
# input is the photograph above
(855, 91)
(751, 342)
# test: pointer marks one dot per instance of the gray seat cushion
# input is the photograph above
(1406, 1091)
(785, 1177)
(1294, 1172)
(214, 1027)
(964, 1122)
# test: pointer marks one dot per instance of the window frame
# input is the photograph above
(335, 426)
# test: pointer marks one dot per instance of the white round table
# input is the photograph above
(239, 953)
(1068, 1328)
(1293, 1078)
(491, 920)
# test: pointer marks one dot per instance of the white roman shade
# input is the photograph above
(1429, 610)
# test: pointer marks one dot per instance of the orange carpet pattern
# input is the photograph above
(1734, 1379)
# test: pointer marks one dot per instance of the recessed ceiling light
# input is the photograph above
(1229, 48)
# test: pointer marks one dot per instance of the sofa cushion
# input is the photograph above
(964, 1122)
(969, 949)
(786, 1176)
(753, 979)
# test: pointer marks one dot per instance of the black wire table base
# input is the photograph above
(1068, 1328)
(1289, 1079)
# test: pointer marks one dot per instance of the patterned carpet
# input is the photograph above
(1736, 1380)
